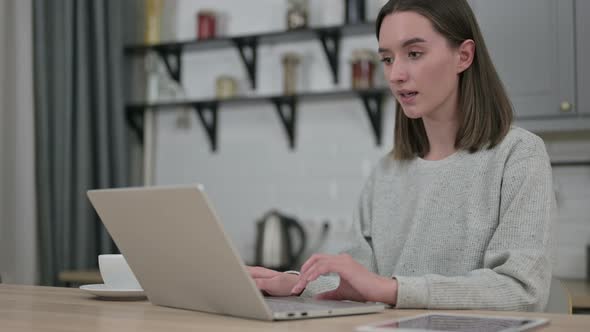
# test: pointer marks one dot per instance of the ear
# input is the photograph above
(466, 52)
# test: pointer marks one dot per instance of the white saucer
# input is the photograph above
(101, 290)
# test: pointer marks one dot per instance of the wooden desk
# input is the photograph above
(34, 308)
(580, 292)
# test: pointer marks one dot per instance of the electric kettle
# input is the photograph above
(276, 237)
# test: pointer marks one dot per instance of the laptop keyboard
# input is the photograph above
(295, 304)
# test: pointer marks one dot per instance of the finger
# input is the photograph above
(304, 276)
(319, 269)
(299, 287)
(331, 295)
(261, 286)
(260, 283)
(278, 287)
(312, 260)
(322, 259)
(261, 272)
(304, 279)
(323, 265)
(312, 274)
(330, 264)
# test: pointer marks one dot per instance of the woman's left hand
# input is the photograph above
(356, 282)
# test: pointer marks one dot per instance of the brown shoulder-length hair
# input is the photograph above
(484, 108)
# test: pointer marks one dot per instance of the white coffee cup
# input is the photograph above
(116, 273)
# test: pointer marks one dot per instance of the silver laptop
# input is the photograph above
(182, 257)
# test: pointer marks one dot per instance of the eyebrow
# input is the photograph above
(406, 43)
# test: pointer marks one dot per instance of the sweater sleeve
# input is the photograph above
(516, 271)
(360, 247)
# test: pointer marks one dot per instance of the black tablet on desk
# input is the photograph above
(455, 322)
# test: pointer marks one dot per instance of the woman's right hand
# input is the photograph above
(272, 282)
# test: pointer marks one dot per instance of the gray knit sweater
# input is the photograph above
(471, 231)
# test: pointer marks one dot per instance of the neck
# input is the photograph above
(441, 138)
(441, 129)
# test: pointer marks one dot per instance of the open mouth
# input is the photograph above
(408, 94)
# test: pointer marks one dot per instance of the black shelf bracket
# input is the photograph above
(286, 108)
(373, 102)
(135, 121)
(330, 39)
(209, 122)
(172, 60)
(248, 48)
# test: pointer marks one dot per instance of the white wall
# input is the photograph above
(18, 261)
(254, 171)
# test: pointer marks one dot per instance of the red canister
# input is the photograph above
(363, 69)
(206, 22)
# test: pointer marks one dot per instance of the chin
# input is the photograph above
(412, 113)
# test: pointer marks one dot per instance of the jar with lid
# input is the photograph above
(225, 87)
(290, 65)
(363, 68)
(297, 14)
(206, 24)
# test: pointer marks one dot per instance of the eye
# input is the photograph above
(414, 54)
(387, 60)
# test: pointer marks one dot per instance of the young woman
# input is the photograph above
(458, 215)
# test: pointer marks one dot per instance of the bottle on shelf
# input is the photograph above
(153, 15)
(291, 63)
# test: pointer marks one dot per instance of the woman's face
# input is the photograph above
(421, 67)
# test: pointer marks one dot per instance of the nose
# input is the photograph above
(397, 72)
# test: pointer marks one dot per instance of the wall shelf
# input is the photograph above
(247, 46)
(285, 106)
(571, 163)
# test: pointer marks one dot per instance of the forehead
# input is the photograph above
(401, 26)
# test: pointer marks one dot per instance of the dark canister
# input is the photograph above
(354, 11)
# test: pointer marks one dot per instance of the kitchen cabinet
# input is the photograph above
(532, 45)
(583, 54)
